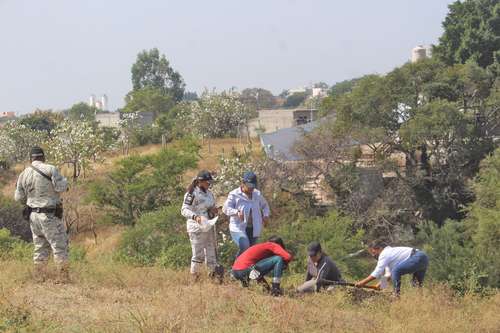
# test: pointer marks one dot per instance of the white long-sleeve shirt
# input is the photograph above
(239, 201)
(390, 257)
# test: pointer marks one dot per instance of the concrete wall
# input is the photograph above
(112, 119)
(108, 119)
(273, 120)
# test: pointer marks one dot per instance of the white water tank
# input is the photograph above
(98, 105)
(92, 100)
(104, 102)
(418, 53)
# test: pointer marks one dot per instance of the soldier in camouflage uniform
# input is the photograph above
(39, 187)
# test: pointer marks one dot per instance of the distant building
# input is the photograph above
(8, 115)
(299, 90)
(319, 92)
(276, 119)
(108, 119)
(112, 119)
(418, 53)
(104, 102)
(280, 146)
(101, 104)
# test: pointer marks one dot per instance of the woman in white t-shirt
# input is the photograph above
(399, 261)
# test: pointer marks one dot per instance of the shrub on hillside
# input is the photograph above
(335, 233)
(483, 222)
(452, 256)
(11, 219)
(12, 247)
(140, 184)
(158, 238)
(466, 254)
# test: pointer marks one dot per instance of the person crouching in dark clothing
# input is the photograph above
(321, 270)
(261, 259)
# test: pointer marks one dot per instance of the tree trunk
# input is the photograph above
(75, 175)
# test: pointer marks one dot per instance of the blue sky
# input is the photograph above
(55, 53)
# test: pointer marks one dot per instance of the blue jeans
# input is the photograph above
(243, 239)
(416, 264)
(265, 266)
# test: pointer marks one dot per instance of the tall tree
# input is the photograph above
(148, 100)
(152, 70)
(16, 141)
(295, 99)
(217, 115)
(258, 98)
(442, 119)
(42, 120)
(82, 112)
(471, 32)
(76, 143)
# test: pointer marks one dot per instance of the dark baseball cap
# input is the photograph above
(313, 249)
(204, 175)
(37, 152)
(250, 179)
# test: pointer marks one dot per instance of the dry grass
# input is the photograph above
(210, 158)
(106, 297)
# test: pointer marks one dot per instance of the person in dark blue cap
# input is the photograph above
(248, 211)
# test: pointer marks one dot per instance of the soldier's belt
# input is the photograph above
(44, 210)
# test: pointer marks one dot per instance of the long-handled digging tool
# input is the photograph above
(349, 284)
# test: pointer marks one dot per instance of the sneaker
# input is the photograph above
(276, 292)
(254, 274)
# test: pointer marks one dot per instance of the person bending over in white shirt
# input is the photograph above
(400, 261)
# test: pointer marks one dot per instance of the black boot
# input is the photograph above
(276, 289)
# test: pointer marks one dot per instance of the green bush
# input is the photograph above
(140, 184)
(452, 256)
(335, 233)
(11, 219)
(158, 238)
(12, 247)
(77, 253)
(226, 251)
(176, 256)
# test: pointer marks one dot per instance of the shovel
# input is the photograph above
(219, 269)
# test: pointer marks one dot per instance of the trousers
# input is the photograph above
(416, 264)
(243, 239)
(274, 264)
(203, 249)
(48, 234)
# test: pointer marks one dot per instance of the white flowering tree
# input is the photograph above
(217, 115)
(231, 170)
(16, 141)
(76, 144)
(129, 125)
